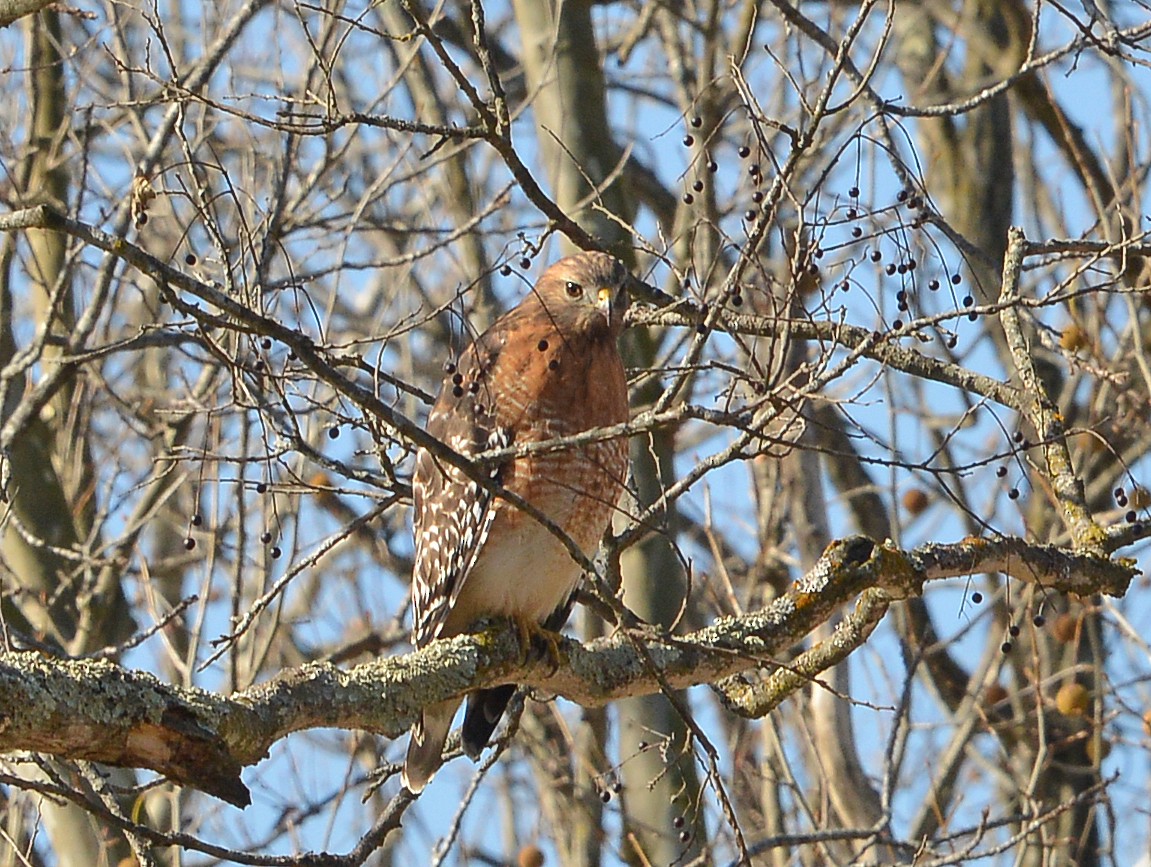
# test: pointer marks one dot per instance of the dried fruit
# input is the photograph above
(1073, 338)
(1073, 699)
(916, 501)
(1097, 750)
(994, 694)
(1066, 627)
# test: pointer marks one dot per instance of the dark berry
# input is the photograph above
(757, 196)
(956, 279)
(457, 391)
(1001, 472)
(266, 343)
(265, 538)
(1013, 494)
(1013, 630)
(457, 378)
(688, 198)
(852, 213)
(197, 519)
(876, 255)
(933, 285)
(856, 232)
(697, 121)
(1039, 620)
(744, 152)
(1131, 517)
(968, 300)
(553, 365)
(189, 543)
(275, 552)
(333, 432)
(190, 259)
(698, 186)
(542, 346)
(688, 141)
(449, 367)
(261, 487)
(853, 192)
(1006, 647)
(976, 597)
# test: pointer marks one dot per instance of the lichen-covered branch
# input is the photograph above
(96, 710)
(1041, 411)
(13, 10)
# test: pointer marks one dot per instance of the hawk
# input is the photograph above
(547, 369)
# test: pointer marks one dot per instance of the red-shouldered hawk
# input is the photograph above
(549, 368)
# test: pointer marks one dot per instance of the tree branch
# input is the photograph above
(96, 710)
(13, 10)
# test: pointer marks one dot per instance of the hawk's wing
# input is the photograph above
(453, 513)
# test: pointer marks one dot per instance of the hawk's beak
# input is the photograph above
(613, 302)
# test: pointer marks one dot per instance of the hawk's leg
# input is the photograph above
(537, 641)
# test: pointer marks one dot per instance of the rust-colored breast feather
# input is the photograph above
(552, 385)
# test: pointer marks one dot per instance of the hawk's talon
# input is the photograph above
(536, 641)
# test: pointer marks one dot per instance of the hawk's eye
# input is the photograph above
(573, 289)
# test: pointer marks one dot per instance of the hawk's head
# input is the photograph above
(586, 291)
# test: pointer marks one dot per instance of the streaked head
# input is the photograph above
(589, 286)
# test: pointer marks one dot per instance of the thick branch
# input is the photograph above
(13, 10)
(98, 711)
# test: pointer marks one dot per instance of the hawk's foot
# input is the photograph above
(537, 642)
